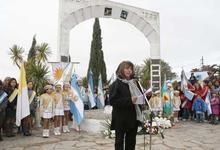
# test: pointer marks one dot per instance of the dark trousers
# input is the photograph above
(2, 117)
(125, 136)
(186, 113)
(214, 119)
(199, 117)
(26, 124)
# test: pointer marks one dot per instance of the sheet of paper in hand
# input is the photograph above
(140, 99)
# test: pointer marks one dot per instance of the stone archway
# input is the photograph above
(73, 12)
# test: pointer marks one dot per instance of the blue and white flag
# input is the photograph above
(101, 97)
(207, 101)
(184, 81)
(188, 94)
(76, 105)
(91, 90)
(61, 72)
(112, 79)
(184, 87)
(3, 96)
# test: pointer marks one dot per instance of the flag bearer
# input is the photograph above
(28, 121)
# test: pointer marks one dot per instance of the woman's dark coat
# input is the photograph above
(124, 113)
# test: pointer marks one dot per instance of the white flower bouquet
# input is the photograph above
(158, 124)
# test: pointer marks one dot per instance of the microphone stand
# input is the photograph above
(151, 116)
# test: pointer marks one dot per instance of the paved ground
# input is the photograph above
(185, 135)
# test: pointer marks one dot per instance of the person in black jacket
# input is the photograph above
(125, 112)
(12, 92)
(3, 105)
(192, 79)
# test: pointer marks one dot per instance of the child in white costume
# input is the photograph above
(176, 105)
(67, 94)
(155, 103)
(58, 109)
(46, 108)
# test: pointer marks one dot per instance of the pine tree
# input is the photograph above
(96, 62)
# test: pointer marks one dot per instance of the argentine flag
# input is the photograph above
(184, 81)
(184, 87)
(76, 106)
(91, 90)
(100, 93)
(58, 68)
(207, 101)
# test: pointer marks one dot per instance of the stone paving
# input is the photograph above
(183, 136)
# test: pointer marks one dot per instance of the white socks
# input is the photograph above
(46, 133)
(57, 131)
(66, 129)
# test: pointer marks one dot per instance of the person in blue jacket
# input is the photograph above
(200, 107)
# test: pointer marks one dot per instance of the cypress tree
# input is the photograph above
(102, 67)
(96, 62)
(32, 51)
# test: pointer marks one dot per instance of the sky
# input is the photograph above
(189, 29)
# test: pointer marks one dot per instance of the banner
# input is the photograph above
(76, 105)
(23, 109)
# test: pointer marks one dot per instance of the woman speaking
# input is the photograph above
(123, 95)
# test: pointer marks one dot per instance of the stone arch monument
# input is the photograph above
(73, 12)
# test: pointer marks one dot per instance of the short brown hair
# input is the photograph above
(122, 66)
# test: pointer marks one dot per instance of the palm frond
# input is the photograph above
(16, 54)
(43, 51)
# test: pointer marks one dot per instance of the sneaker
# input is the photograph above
(58, 131)
(67, 129)
(215, 123)
(48, 133)
(44, 133)
(55, 131)
(64, 129)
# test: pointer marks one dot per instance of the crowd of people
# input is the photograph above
(49, 106)
(52, 105)
(202, 106)
(205, 102)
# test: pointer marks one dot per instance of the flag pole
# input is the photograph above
(79, 129)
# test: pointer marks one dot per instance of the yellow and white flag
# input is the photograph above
(23, 108)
